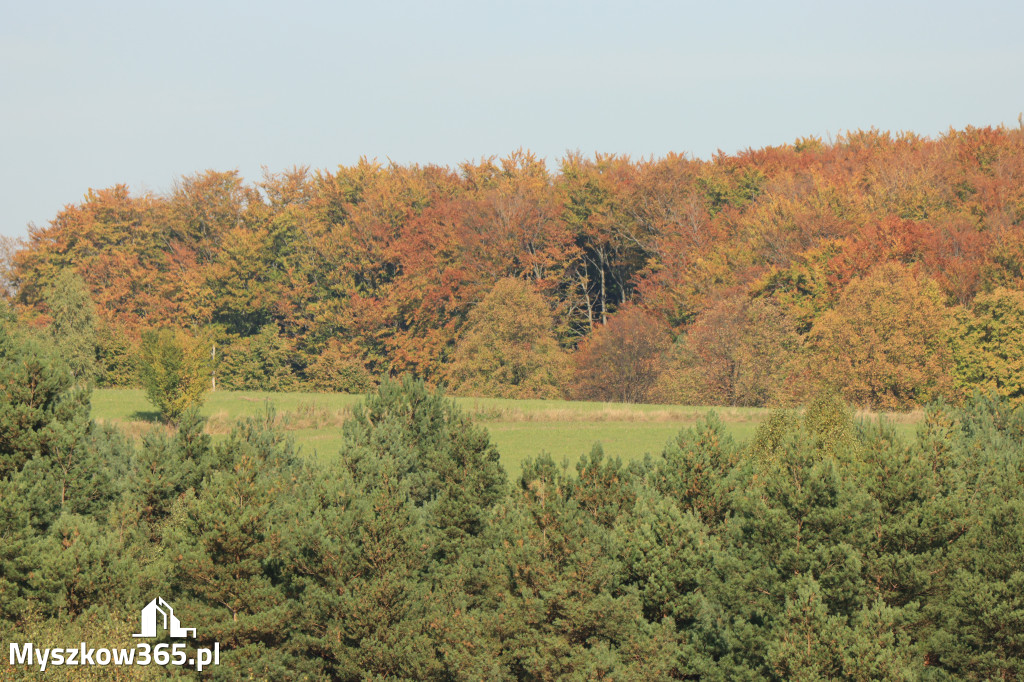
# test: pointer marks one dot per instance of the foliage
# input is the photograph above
(374, 269)
(825, 548)
(260, 362)
(73, 325)
(339, 370)
(174, 370)
(622, 359)
(508, 348)
(40, 410)
(989, 348)
(738, 353)
(117, 356)
(886, 343)
(448, 464)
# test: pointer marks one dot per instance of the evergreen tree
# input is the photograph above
(449, 463)
(73, 325)
(60, 475)
(222, 554)
(565, 612)
(39, 409)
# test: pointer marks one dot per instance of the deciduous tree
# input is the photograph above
(886, 343)
(621, 360)
(508, 347)
(174, 370)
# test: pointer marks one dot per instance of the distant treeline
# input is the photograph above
(823, 549)
(889, 267)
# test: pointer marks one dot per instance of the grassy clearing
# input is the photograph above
(521, 429)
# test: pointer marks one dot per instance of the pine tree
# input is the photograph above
(449, 463)
(222, 553)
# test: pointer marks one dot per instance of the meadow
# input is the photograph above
(521, 429)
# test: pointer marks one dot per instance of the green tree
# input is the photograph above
(989, 348)
(117, 355)
(508, 347)
(40, 409)
(261, 362)
(360, 556)
(449, 463)
(73, 324)
(565, 612)
(385, 553)
(222, 547)
(162, 470)
(174, 370)
(59, 475)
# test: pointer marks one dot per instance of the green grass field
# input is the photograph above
(521, 429)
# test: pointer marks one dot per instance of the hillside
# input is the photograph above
(887, 266)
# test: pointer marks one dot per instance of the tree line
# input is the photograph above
(824, 548)
(886, 267)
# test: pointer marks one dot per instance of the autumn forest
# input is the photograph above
(887, 267)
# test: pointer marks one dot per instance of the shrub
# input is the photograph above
(175, 371)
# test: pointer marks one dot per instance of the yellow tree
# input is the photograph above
(508, 348)
(886, 343)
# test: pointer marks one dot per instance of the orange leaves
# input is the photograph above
(890, 239)
(385, 261)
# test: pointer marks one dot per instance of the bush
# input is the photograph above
(622, 359)
(339, 371)
(174, 369)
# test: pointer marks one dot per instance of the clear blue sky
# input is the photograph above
(93, 94)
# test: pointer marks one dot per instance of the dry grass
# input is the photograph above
(308, 415)
(138, 429)
(626, 413)
(906, 418)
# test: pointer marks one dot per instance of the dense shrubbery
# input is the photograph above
(867, 264)
(825, 548)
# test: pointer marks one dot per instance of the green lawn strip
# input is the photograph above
(521, 429)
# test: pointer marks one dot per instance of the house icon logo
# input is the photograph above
(159, 611)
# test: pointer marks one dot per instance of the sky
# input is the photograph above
(141, 93)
